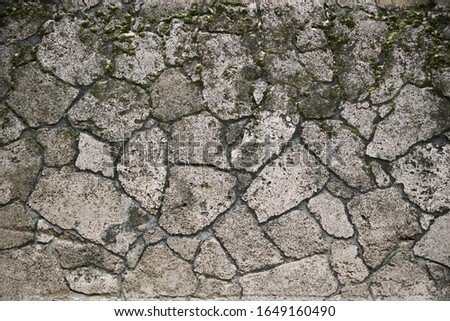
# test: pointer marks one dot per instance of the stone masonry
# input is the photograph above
(225, 150)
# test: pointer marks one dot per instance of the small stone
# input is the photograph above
(10, 126)
(425, 220)
(134, 253)
(338, 188)
(310, 39)
(310, 277)
(297, 235)
(435, 244)
(111, 109)
(185, 246)
(20, 162)
(338, 148)
(147, 60)
(260, 87)
(383, 219)
(194, 198)
(45, 233)
(381, 178)
(174, 96)
(425, 176)
(59, 145)
(16, 226)
(330, 211)
(154, 235)
(346, 262)
(71, 53)
(361, 116)
(285, 68)
(159, 274)
(39, 98)
(92, 281)
(31, 273)
(213, 289)
(180, 43)
(95, 156)
(242, 237)
(283, 184)
(404, 127)
(212, 261)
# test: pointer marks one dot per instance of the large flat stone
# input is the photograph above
(212, 261)
(92, 281)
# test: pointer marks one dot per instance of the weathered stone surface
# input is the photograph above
(10, 126)
(286, 68)
(71, 52)
(441, 80)
(174, 96)
(31, 273)
(185, 246)
(297, 235)
(425, 176)
(213, 289)
(435, 244)
(16, 226)
(310, 39)
(361, 116)
(95, 156)
(338, 188)
(309, 277)
(319, 64)
(441, 276)
(154, 235)
(405, 126)
(197, 140)
(142, 170)
(330, 212)
(135, 252)
(240, 234)
(180, 43)
(320, 101)
(402, 279)
(59, 145)
(89, 204)
(39, 98)
(19, 168)
(425, 220)
(283, 184)
(381, 178)
(6, 54)
(194, 198)
(111, 109)
(338, 148)
(92, 281)
(228, 72)
(145, 62)
(45, 232)
(382, 219)
(212, 261)
(354, 292)
(346, 262)
(159, 274)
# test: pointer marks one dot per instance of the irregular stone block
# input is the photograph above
(6, 55)
(185, 246)
(212, 261)
(212, 289)
(361, 116)
(16, 226)
(95, 156)
(381, 178)
(59, 145)
(319, 101)
(346, 262)
(92, 281)
(180, 44)
(10, 126)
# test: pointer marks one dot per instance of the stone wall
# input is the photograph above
(224, 151)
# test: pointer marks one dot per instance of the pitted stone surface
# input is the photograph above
(159, 274)
(330, 212)
(6, 54)
(425, 176)
(39, 98)
(59, 145)
(194, 198)
(286, 68)
(209, 289)
(185, 246)
(92, 281)
(297, 235)
(283, 184)
(319, 101)
(95, 156)
(180, 43)
(361, 116)
(383, 219)
(241, 236)
(16, 226)
(10, 126)
(111, 109)
(346, 262)
(212, 260)
(381, 178)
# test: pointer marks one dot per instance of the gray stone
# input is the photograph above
(338, 188)
(154, 11)
(381, 178)
(425, 176)
(31, 273)
(16, 226)
(310, 39)
(154, 235)
(425, 220)
(95, 156)
(319, 101)
(435, 244)
(330, 212)
(145, 62)
(286, 68)
(404, 127)
(45, 232)
(319, 64)
(382, 219)
(71, 53)
(111, 109)
(10, 126)
(135, 253)
(338, 148)
(185, 246)
(159, 274)
(212, 261)
(297, 235)
(309, 277)
(92, 281)
(353, 292)
(242, 237)
(441, 276)
(142, 170)
(283, 184)
(194, 198)
(20, 162)
(6, 55)
(174, 96)
(59, 145)
(441, 80)
(39, 98)
(180, 43)
(89, 204)
(213, 289)
(361, 116)
(346, 262)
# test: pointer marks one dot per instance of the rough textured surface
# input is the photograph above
(16, 226)
(346, 262)
(59, 145)
(213, 261)
(94, 156)
(92, 281)
(10, 126)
